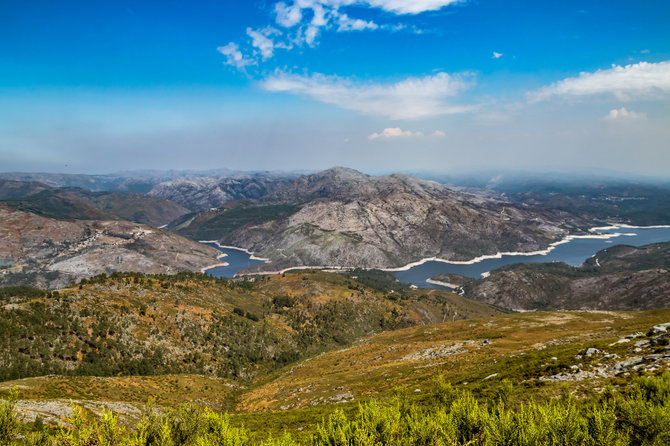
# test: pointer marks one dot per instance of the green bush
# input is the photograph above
(638, 415)
(9, 425)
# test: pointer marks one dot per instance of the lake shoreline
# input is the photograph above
(499, 255)
(409, 266)
(252, 256)
(204, 269)
(442, 284)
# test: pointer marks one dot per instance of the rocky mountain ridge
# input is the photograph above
(341, 217)
(203, 193)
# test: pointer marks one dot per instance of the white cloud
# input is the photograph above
(262, 42)
(622, 113)
(303, 20)
(234, 56)
(393, 132)
(497, 55)
(292, 14)
(310, 34)
(346, 23)
(288, 15)
(319, 18)
(407, 6)
(411, 98)
(643, 80)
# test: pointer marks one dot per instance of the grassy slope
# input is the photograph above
(239, 330)
(525, 349)
(376, 365)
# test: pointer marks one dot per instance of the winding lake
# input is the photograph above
(236, 260)
(573, 252)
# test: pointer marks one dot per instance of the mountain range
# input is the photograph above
(338, 217)
(82, 204)
(341, 217)
(203, 193)
(121, 318)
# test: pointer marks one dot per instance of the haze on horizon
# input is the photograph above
(376, 85)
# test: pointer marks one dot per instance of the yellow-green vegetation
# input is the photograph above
(165, 390)
(371, 362)
(132, 324)
(521, 347)
(637, 415)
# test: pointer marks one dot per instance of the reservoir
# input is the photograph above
(236, 260)
(573, 252)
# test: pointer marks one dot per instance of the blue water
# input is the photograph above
(575, 252)
(236, 260)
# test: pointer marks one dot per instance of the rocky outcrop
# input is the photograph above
(346, 218)
(52, 253)
(641, 357)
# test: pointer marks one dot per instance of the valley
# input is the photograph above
(334, 223)
(122, 321)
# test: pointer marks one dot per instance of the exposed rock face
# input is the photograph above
(52, 253)
(624, 278)
(199, 194)
(346, 218)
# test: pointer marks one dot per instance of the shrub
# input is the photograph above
(639, 415)
(9, 425)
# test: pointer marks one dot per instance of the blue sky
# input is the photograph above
(379, 85)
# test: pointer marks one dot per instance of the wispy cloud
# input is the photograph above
(396, 132)
(623, 114)
(412, 98)
(302, 21)
(346, 23)
(234, 56)
(261, 40)
(400, 6)
(642, 80)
